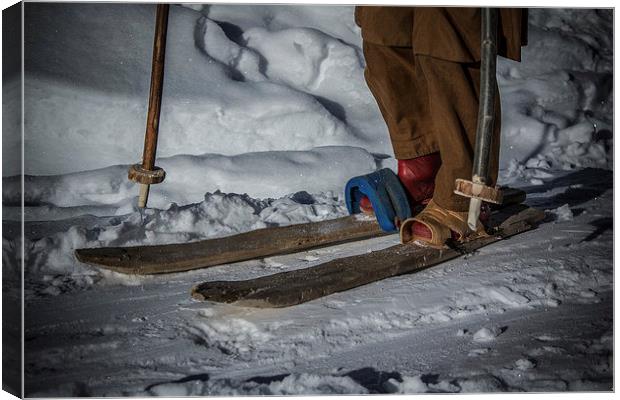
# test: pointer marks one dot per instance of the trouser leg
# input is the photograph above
(431, 105)
(454, 90)
(394, 78)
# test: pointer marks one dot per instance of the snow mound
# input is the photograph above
(557, 103)
(481, 384)
(507, 296)
(50, 260)
(486, 334)
(524, 364)
(431, 384)
(413, 384)
(260, 175)
(294, 384)
(234, 335)
(291, 88)
(272, 78)
(563, 213)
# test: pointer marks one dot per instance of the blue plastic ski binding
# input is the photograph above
(385, 192)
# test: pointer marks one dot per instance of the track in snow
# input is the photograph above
(531, 313)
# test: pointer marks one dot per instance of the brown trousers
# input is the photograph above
(427, 84)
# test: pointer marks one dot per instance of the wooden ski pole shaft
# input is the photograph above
(477, 189)
(147, 173)
(486, 110)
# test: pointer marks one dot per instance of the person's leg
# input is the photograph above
(453, 102)
(428, 94)
(393, 78)
(430, 105)
(454, 90)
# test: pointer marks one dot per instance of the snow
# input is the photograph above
(265, 117)
(524, 364)
(220, 97)
(293, 384)
(563, 213)
(260, 175)
(486, 334)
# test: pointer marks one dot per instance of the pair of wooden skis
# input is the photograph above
(298, 286)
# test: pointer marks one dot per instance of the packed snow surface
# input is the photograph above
(265, 116)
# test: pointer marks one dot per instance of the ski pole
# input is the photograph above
(147, 173)
(477, 189)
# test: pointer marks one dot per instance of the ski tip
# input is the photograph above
(77, 253)
(86, 255)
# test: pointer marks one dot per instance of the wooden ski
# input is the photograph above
(178, 257)
(294, 287)
(143, 260)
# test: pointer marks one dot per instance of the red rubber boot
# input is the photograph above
(418, 178)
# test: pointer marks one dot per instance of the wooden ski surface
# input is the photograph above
(169, 258)
(159, 259)
(299, 286)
